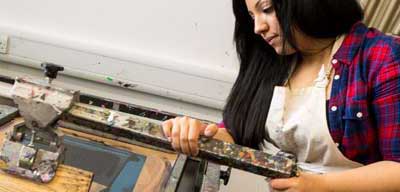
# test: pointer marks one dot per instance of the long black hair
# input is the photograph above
(261, 68)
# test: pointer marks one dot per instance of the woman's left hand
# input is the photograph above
(305, 182)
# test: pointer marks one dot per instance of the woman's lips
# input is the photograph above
(271, 39)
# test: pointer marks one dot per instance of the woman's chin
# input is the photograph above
(279, 51)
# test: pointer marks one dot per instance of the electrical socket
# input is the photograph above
(3, 44)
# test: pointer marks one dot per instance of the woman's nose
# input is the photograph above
(260, 26)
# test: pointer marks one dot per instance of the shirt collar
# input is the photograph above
(351, 44)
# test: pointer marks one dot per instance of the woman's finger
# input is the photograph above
(175, 134)
(184, 124)
(193, 136)
(167, 126)
(282, 184)
(211, 130)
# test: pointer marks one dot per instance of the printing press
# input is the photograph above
(48, 129)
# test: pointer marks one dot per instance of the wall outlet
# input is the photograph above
(3, 44)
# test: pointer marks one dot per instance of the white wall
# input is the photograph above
(178, 53)
(179, 49)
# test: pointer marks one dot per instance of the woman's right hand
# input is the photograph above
(184, 132)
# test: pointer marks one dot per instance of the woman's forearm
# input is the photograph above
(380, 176)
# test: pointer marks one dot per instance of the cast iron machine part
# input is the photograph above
(130, 128)
(51, 71)
(225, 175)
(35, 147)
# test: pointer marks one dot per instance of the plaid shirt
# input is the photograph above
(364, 108)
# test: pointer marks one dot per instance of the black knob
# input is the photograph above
(51, 70)
(225, 175)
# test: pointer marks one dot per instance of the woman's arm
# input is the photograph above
(380, 176)
(376, 177)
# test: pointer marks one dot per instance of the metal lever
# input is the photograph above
(129, 127)
(225, 175)
(51, 70)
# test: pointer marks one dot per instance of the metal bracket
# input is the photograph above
(176, 174)
(34, 148)
(211, 181)
(7, 113)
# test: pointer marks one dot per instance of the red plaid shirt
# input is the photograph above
(364, 107)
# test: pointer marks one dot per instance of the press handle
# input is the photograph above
(51, 70)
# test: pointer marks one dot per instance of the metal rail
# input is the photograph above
(123, 125)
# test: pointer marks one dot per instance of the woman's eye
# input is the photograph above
(268, 10)
(252, 16)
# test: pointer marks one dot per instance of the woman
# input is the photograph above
(313, 81)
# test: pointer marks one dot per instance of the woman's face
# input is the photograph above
(266, 25)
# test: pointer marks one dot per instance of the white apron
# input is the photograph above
(297, 124)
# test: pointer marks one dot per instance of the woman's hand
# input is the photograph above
(184, 132)
(305, 182)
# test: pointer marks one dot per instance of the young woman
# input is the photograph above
(316, 82)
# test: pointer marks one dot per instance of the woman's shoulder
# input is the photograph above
(368, 45)
(372, 51)
(381, 55)
(380, 47)
(370, 54)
